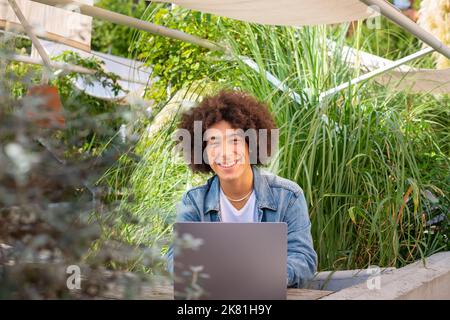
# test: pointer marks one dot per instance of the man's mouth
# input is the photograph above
(228, 164)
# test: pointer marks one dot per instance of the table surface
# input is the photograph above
(165, 292)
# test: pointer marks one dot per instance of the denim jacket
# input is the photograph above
(277, 200)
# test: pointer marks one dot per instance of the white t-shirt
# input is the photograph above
(248, 213)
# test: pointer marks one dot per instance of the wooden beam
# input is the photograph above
(125, 20)
(396, 16)
(63, 66)
(29, 30)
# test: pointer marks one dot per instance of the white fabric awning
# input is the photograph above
(56, 24)
(134, 76)
(418, 80)
(282, 12)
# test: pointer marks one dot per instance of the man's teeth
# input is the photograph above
(227, 165)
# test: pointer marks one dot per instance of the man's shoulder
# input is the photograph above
(276, 181)
(194, 192)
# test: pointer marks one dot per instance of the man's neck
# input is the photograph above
(238, 188)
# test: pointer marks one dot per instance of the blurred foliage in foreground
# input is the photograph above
(53, 212)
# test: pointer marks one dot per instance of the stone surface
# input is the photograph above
(414, 281)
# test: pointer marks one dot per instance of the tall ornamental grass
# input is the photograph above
(371, 161)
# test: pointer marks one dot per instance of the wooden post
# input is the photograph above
(29, 31)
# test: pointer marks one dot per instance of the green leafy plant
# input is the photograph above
(175, 63)
(111, 38)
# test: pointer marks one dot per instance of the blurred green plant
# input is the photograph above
(54, 214)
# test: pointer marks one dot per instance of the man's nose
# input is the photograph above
(225, 151)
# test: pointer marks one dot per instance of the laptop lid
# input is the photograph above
(241, 261)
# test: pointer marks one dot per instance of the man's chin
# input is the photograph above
(230, 174)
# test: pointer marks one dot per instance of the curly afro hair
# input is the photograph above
(240, 110)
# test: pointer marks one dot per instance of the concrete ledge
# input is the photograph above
(414, 281)
(338, 280)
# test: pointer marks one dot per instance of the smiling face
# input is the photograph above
(227, 151)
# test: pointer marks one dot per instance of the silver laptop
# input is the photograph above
(227, 261)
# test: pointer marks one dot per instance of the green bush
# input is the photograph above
(175, 63)
(112, 38)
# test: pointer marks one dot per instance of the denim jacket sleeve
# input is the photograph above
(302, 258)
(186, 211)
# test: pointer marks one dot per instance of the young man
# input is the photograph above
(240, 191)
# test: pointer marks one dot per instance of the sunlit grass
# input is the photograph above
(362, 157)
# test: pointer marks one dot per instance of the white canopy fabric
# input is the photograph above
(282, 12)
(402, 78)
(418, 80)
(134, 75)
(296, 13)
(49, 22)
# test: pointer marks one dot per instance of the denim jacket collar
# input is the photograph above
(263, 192)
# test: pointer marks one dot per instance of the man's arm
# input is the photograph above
(302, 258)
(186, 211)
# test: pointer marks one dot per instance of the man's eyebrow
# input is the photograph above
(235, 134)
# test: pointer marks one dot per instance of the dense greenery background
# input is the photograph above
(373, 162)
(391, 148)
